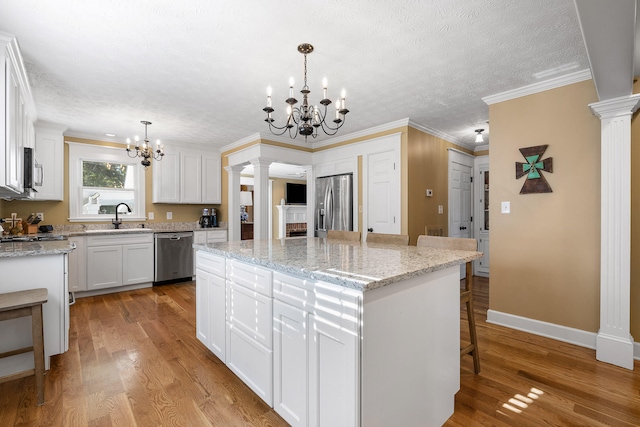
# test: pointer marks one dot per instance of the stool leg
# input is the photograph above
(38, 350)
(471, 319)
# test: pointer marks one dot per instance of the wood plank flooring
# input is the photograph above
(133, 360)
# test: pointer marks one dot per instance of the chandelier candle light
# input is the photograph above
(146, 150)
(306, 119)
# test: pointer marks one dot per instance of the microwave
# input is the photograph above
(32, 171)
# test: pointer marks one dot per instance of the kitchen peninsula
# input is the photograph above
(335, 333)
(29, 265)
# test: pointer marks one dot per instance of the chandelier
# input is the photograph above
(146, 150)
(307, 119)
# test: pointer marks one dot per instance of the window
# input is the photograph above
(99, 179)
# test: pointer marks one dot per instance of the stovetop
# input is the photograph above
(32, 238)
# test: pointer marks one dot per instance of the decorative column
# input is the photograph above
(233, 206)
(614, 343)
(311, 200)
(261, 198)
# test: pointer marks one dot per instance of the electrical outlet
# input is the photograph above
(40, 215)
(151, 215)
(169, 215)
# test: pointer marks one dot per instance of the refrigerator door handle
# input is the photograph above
(328, 205)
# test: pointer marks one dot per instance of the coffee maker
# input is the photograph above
(205, 219)
(214, 218)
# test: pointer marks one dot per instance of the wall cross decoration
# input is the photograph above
(535, 181)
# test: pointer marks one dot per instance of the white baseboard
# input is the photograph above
(550, 330)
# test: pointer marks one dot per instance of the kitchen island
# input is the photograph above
(336, 333)
(29, 265)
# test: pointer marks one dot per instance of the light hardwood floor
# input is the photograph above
(134, 361)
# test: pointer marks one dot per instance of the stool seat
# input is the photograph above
(21, 304)
(21, 299)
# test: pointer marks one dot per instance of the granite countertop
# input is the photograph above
(361, 266)
(20, 249)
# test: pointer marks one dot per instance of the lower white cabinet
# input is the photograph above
(210, 308)
(119, 260)
(316, 352)
(78, 265)
(333, 375)
(202, 237)
(290, 363)
(293, 341)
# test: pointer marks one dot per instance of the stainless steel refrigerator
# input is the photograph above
(334, 204)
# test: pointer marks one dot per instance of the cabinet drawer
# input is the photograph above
(250, 312)
(255, 278)
(119, 239)
(199, 237)
(216, 236)
(337, 304)
(293, 290)
(214, 264)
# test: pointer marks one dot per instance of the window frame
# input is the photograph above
(78, 153)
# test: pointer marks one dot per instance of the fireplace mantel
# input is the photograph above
(290, 214)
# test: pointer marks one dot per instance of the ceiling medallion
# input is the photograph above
(307, 119)
(146, 150)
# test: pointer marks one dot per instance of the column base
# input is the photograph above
(615, 350)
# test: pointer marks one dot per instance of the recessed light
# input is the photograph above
(110, 134)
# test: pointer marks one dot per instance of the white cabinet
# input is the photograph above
(17, 113)
(49, 156)
(119, 260)
(333, 375)
(481, 230)
(249, 349)
(315, 352)
(202, 237)
(290, 363)
(78, 265)
(211, 303)
(187, 176)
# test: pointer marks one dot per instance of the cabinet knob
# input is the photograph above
(370, 230)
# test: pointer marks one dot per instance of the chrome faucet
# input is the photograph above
(116, 223)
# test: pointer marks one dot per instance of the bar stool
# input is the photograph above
(21, 304)
(466, 295)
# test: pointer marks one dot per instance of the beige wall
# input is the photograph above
(545, 254)
(58, 212)
(427, 159)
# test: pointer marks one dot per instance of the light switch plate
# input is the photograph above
(505, 207)
(169, 215)
(151, 215)
(429, 192)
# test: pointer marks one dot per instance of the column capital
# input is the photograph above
(234, 169)
(610, 108)
(260, 162)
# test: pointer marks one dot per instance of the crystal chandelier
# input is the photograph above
(146, 150)
(307, 119)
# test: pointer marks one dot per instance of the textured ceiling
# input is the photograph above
(199, 69)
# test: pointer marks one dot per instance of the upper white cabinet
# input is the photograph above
(187, 176)
(17, 112)
(49, 156)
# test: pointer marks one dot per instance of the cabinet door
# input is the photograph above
(77, 265)
(290, 381)
(104, 267)
(483, 263)
(191, 174)
(203, 311)
(211, 175)
(333, 379)
(249, 339)
(13, 158)
(137, 263)
(49, 154)
(166, 179)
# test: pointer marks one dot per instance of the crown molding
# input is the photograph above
(578, 76)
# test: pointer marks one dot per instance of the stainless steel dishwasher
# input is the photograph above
(173, 257)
